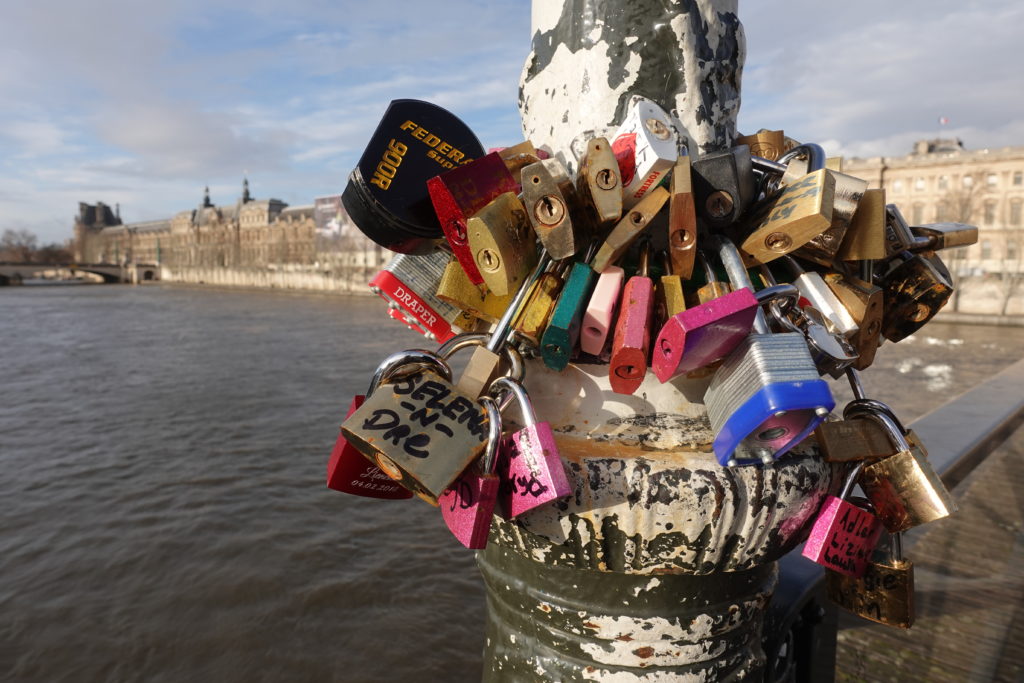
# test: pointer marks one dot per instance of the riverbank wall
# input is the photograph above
(289, 276)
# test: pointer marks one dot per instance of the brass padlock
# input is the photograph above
(865, 302)
(904, 489)
(670, 292)
(502, 243)
(599, 183)
(682, 221)
(420, 431)
(935, 236)
(856, 439)
(885, 593)
(914, 291)
(798, 213)
(629, 228)
(539, 306)
(550, 201)
(517, 156)
(713, 287)
(455, 288)
(767, 144)
(865, 237)
(848, 193)
(898, 237)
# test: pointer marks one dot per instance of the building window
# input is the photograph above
(917, 214)
(897, 185)
(992, 180)
(1011, 250)
(990, 213)
(943, 182)
(1018, 178)
(942, 212)
(1015, 213)
(986, 249)
(967, 181)
(919, 185)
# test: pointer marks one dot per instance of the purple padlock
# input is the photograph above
(844, 535)
(703, 334)
(467, 506)
(529, 466)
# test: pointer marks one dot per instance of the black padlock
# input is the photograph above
(386, 195)
(723, 185)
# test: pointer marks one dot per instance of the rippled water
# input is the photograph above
(164, 515)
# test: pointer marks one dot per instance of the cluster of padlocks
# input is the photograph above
(762, 266)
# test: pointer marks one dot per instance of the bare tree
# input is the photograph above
(17, 245)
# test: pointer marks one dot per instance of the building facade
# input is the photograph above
(940, 181)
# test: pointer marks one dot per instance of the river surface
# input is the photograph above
(164, 514)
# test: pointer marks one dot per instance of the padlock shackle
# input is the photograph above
(501, 332)
(811, 151)
(709, 273)
(516, 367)
(869, 404)
(855, 384)
(645, 258)
(885, 420)
(514, 389)
(766, 275)
(738, 275)
(778, 293)
(851, 480)
(797, 269)
(494, 430)
(767, 166)
(400, 359)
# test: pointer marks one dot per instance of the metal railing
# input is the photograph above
(801, 623)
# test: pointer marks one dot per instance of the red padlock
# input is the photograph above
(347, 470)
(632, 342)
(467, 505)
(461, 192)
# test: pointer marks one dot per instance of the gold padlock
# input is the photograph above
(539, 306)
(865, 302)
(865, 237)
(457, 289)
(767, 144)
(682, 221)
(713, 287)
(848, 193)
(914, 291)
(904, 488)
(670, 291)
(884, 594)
(599, 183)
(629, 228)
(517, 156)
(857, 439)
(502, 243)
(798, 213)
(550, 201)
(420, 431)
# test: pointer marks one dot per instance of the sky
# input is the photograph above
(143, 104)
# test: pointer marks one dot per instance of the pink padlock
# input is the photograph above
(699, 336)
(529, 466)
(467, 506)
(597, 321)
(844, 535)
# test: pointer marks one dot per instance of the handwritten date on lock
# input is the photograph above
(424, 408)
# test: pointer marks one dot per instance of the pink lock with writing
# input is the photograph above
(844, 535)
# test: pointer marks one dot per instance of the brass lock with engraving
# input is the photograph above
(502, 243)
(884, 593)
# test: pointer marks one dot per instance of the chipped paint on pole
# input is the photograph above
(660, 563)
(589, 57)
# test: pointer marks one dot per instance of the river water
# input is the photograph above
(164, 515)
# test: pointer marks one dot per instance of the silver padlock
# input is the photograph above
(767, 395)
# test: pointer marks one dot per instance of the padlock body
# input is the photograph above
(672, 295)
(502, 243)
(723, 185)
(883, 594)
(852, 440)
(604, 302)
(813, 288)
(767, 144)
(646, 147)
(629, 228)
(467, 507)
(531, 471)
(906, 491)
(599, 182)
(914, 292)
(550, 202)
(563, 330)
(349, 472)
(682, 221)
(865, 236)
(456, 289)
(766, 398)
(409, 283)
(800, 212)
(460, 193)
(386, 195)
(539, 306)
(843, 537)
(703, 334)
(848, 192)
(420, 431)
(632, 342)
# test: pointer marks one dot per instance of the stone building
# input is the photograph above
(941, 181)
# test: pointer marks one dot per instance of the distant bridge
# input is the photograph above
(11, 273)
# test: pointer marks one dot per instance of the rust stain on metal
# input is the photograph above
(644, 651)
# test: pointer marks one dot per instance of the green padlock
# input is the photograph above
(563, 331)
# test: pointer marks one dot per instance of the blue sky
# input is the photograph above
(143, 104)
